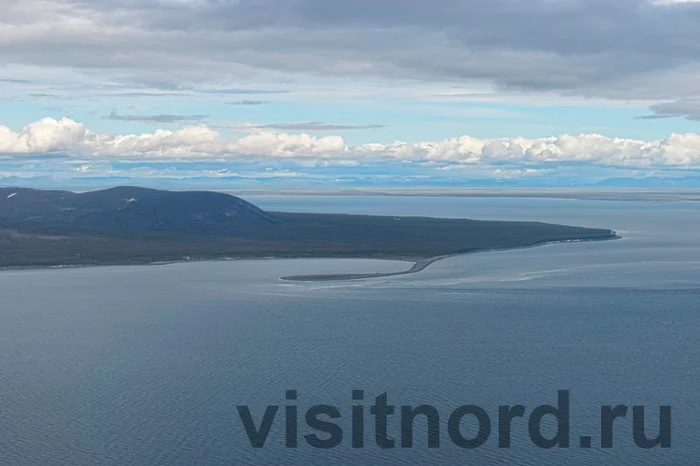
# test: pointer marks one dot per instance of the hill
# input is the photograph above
(127, 225)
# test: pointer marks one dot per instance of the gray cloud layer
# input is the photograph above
(619, 49)
(247, 103)
(162, 118)
(303, 126)
(689, 108)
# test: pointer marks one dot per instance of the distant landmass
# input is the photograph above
(342, 181)
(132, 225)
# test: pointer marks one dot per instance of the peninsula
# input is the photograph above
(131, 225)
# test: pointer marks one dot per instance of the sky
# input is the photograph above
(231, 94)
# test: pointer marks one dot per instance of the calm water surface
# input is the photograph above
(146, 365)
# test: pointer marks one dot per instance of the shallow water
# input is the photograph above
(146, 365)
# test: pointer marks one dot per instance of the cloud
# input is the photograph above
(621, 49)
(162, 118)
(687, 108)
(228, 91)
(303, 126)
(201, 142)
(15, 81)
(154, 93)
(247, 102)
(47, 135)
(673, 2)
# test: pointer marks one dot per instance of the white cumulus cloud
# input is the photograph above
(45, 135)
(199, 142)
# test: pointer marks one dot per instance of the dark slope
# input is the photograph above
(18, 203)
(136, 225)
(130, 208)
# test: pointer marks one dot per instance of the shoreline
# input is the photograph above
(417, 266)
(421, 264)
(11, 268)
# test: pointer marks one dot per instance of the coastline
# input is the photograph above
(421, 264)
(418, 265)
(155, 263)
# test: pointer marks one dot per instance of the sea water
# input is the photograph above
(150, 364)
